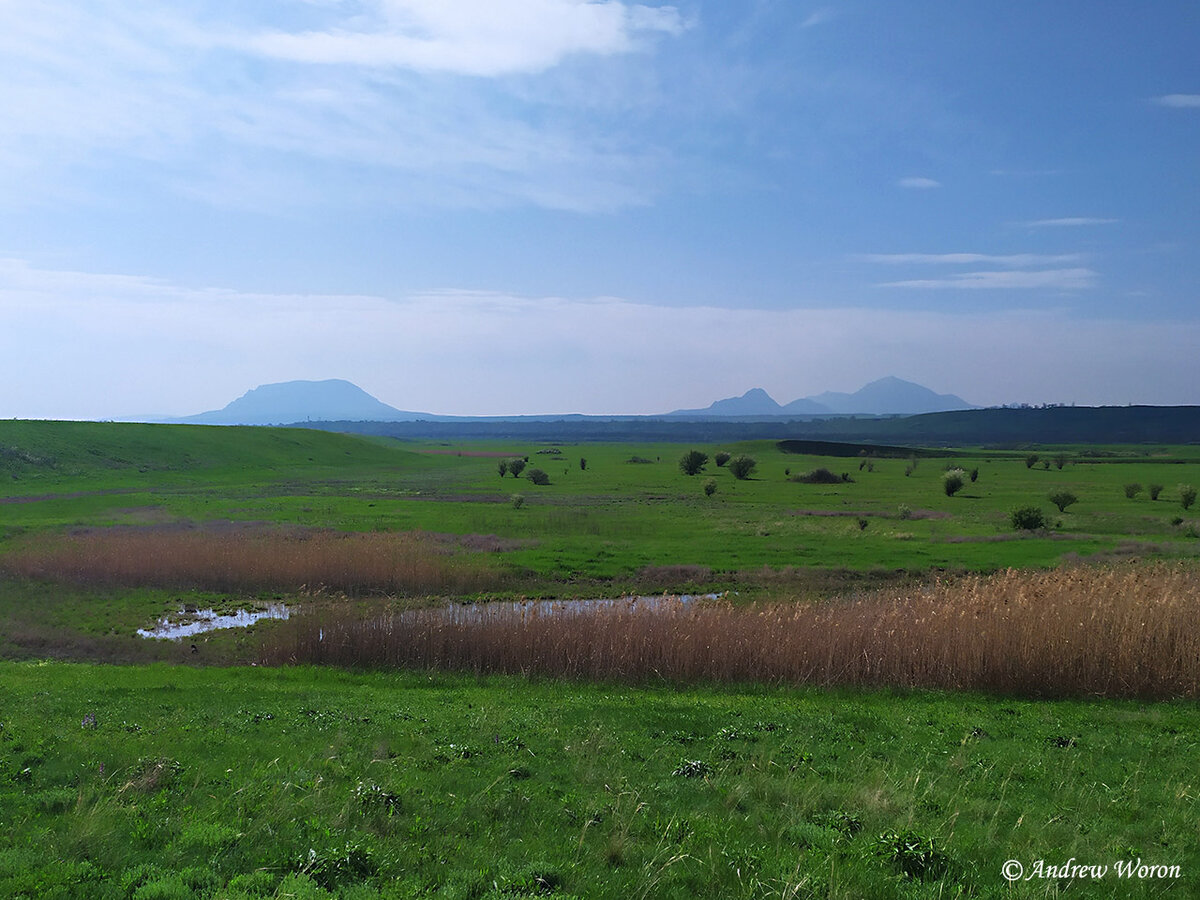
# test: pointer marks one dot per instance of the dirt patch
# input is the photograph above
(844, 513)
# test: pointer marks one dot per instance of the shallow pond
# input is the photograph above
(192, 622)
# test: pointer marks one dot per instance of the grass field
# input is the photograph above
(608, 772)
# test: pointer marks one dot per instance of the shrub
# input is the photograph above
(693, 462)
(582, 464)
(516, 466)
(1028, 518)
(710, 487)
(721, 458)
(819, 476)
(1187, 495)
(974, 475)
(1060, 460)
(1063, 499)
(517, 500)
(537, 476)
(741, 467)
(502, 466)
(1132, 489)
(905, 511)
(953, 481)
(1031, 460)
(1154, 490)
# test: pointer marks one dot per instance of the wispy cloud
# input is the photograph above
(918, 183)
(1012, 260)
(1068, 222)
(819, 17)
(472, 37)
(1074, 279)
(1179, 101)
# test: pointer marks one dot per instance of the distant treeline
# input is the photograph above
(975, 427)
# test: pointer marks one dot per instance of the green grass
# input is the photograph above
(180, 782)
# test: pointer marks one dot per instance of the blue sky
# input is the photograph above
(534, 206)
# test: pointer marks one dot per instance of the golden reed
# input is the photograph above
(1117, 631)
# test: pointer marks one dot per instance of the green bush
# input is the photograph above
(693, 462)
(819, 476)
(537, 476)
(1031, 460)
(721, 458)
(1062, 499)
(710, 487)
(1132, 489)
(516, 466)
(1028, 518)
(1187, 495)
(741, 467)
(953, 481)
(1154, 490)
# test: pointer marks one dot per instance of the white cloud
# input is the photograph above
(1013, 260)
(473, 37)
(1073, 279)
(1069, 222)
(1179, 101)
(92, 346)
(918, 183)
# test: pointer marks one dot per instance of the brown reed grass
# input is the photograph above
(252, 558)
(1126, 631)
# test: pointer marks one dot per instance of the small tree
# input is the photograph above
(1187, 495)
(1060, 461)
(721, 458)
(1063, 499)
(1132, 489)
(503, 467)
(516, 467)
(1154, 490)
(1031, 460)
(741, 467)
(1028, 518)
(974, 475)
(710, 487)
(952, 481)
(517, 500)
(537, 476)
(582, 464)
(693, 462)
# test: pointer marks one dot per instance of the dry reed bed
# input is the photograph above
(233, 558)
(1126, 631)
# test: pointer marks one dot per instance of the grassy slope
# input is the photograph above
(234, 783)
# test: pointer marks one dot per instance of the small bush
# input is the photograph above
(1132, 489)
(905, 511)
(710, 487)
(1031, 460)
(741, 467)
(693, 462)
(974, 475)
(1154, 490)
(1063, 499)
(583, 464)
(502, 467)
(721, 458)
(537, 476)
(1060, 461)
(953, 481)
(1187, 495)
(517, 500)
(1028, 518)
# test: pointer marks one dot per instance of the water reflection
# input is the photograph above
(192, 622)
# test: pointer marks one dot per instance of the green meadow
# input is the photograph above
(150, 768)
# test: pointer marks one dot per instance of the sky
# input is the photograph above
(497, 207)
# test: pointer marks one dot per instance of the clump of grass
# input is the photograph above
(255, 558)
(1115, 632)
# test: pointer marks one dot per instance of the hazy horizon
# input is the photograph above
(559, 206)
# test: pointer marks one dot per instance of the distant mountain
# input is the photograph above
(893, 397)
(886, 397)
(303, 401)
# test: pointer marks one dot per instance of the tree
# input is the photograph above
(1031, 460)
(1187, 495)
(537, 476)
(1132, 489)
(1028, 518)
(741, 467)
(952, 481)
(721, 458)
(503, 467)
(582, 464)
(1154, 490)
(693, 462)
(1062, 499)
(516, 466)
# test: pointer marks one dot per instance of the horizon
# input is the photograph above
(513, 208)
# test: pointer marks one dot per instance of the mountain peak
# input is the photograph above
(333, 399)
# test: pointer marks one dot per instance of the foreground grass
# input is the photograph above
(177, 782)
